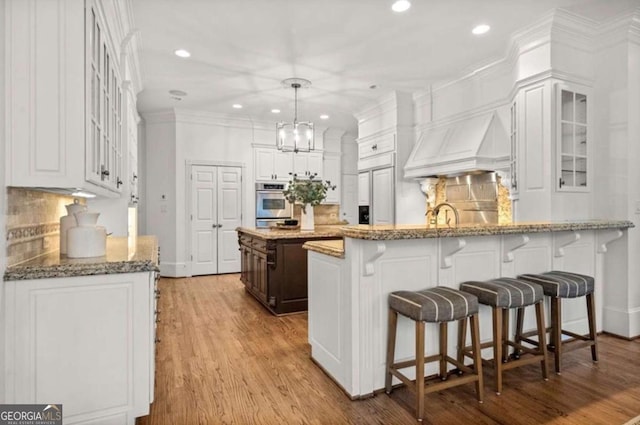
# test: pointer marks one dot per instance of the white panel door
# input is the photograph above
(383, 202)
(204, 223)
(348, 206)
(363, 188)
(229, 218)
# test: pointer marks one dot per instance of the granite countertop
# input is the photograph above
(320, 231)
(417, 231)
(334, 247)
(124, 255)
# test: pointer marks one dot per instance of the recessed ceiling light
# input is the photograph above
(275, 111)
(178, 92)
(182, 53)
(401, 5)
(324, 117)
(237, 106)
(481, 29)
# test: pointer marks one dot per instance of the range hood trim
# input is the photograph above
(485, 152)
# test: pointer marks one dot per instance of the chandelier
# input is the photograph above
(296, 136)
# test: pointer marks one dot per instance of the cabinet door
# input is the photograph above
(300, 164)
(573, 138)
(383, 196)
(263, 163)
(332, 173)
(363, 188)
(282, 165)
(100, 342)
(104, 146)
(260, 275)
(315, 165)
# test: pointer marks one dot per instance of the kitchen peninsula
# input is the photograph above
(274, 264)
(348, 287)
(81, 332)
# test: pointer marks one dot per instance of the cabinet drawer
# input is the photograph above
(376, 146)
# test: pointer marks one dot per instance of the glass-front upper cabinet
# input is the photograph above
(573, 138)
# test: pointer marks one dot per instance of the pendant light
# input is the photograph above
(296, 136)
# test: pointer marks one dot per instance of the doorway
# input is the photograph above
(216, 212)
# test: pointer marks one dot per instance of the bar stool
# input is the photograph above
(558, 285)
(502, 295)
(434, 305)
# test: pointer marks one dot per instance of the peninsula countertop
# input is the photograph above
(420, 231)
(123, 255)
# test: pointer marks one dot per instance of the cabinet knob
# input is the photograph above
(118, 182)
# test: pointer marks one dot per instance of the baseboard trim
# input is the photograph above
(173, 269)
(622, 323)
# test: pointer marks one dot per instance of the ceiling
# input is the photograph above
(241, 50)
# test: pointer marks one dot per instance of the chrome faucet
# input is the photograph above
(436, 211)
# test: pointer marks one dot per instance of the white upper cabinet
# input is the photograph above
(272, 164)
(64, 97)
(573, 138)
(332, 173)
(307, 164)
(376, 146)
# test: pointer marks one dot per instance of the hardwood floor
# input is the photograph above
(223, 359)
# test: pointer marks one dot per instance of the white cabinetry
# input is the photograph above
(272, 164)
(363, 188)
(86, 342)
(382, 196)
(572, 138)
(307, 164)
(64, 98)
(376, 146)
(332, 173)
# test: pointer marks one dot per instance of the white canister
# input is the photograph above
(86, 241)
(68, 221)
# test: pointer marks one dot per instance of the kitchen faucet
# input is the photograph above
(436, 210)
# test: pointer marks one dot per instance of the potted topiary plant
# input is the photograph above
(307, 192)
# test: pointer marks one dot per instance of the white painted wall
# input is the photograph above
(3, 198)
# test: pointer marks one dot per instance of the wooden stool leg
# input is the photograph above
(519, 326)
(443, 351)
(497, 347)
(391, 348)
(542, 335)
(505, 334)
(419, 370)
(462, 339)
(556, 331)
(477, 355)
(591, 312)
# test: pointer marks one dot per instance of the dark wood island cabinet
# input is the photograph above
(274, 265)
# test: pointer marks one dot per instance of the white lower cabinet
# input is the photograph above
(86, 342)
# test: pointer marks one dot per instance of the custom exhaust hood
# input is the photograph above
(479, 143)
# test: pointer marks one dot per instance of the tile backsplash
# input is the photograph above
(33, 223)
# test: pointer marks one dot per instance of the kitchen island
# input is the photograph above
(348, 288)
(274, 265)
(81, 332)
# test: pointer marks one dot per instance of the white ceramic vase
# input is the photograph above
(68, 221)
(306, 219)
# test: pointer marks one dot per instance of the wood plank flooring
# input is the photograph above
(223, 359)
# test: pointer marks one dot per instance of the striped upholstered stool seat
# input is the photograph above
(562, 284)
(437, 305)
(503, 294)
(558, 285)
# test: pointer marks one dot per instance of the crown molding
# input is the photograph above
(389, 102)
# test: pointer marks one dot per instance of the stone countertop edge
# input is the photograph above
(120, 258)
(333, 247)
(397, 232)
(320, 231)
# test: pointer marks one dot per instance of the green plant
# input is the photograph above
(307, 191)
